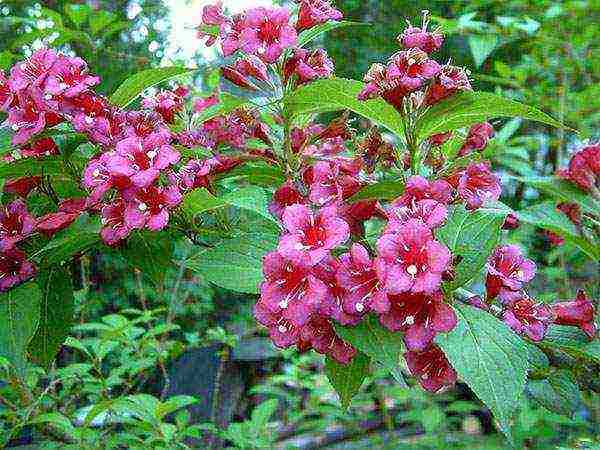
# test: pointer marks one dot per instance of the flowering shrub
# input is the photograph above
(368, 239)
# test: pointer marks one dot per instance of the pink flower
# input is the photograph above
(439, 139)
(22, 186)
(40, 148)
(290, 289)
(362, 277)
(577, 313)
(30, 116)
(312, 234)
(511, 222)
(114, 228)
(555, 239)
(7, 96)
(201, 103)
(68, 78)
(14, 269)
(100, 179)
(584, 168)
(478, 138)
(529, 318)
(414, 37)
(430, 212)
(32, 73)
(355, 214)
(572, 211)
(150, 207)
(308, 65)
(285, 196)
(324, 183)
(431, 368)
(415, 261)
(68, 211)
(421, 317)
(477, 185)
(250, 66)
(407, 72)
(212, 15)
(419, 188)
(15, 224)
(450, 80)
(315, 12)
(264, 32)
(320, 335)
(166, 103)
(508, 270)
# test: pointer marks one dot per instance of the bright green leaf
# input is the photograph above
(151, 254)
(383, 190)
(482, 46)
(227, 103)
(347, 379)
(558, 393)
(313, 33)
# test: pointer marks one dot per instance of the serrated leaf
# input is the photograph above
(336, 94)
(251, 198)
(133, 86)
(572, 341)
(151, 254)
(227, 103)
(466, 108)
(482, 46)
(382, 190)
(490, 358)
(31, 167)
(56, 314)
(20, 313)
(313, 33)
(471, 235)
(559, 393)
(236, 263)
(347, 379)
(377, 342)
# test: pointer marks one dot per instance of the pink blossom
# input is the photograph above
(421, 317)
(477, 185)
(39, 148)
(68, 211)
(320, 335)
(7, 96)
(315, 12)
(508, 270)
(30, 116)
(68, 78)
(14, 268)
(577, 313)
(201, 103)
(312, 234)
(584, 168)
(477, 139)
(150, 207)
(449, 80)
(212, 15)
(308, 65)
(571, 210)
(286, 195)
(98, 177)
(430, 212)
(511, 222)
(362, 278)
(415, 37)
(356, 213)
(431, 368)
(22, 186)
(165, 103)
(244, 68)
(114, 228)
(418, 188)
(529, 318)
(33, 72)
(324, 183)
(415, 261)
(15, 224)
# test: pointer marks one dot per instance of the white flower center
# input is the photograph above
(151, 154)
(283, 304)
(282, 328)
(412, 270)
(89, 120)
(142, 207)
(360, 307)
(96, 173)
(409, 320)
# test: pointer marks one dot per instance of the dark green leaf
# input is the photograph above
(56, 314)
(336, 94)
(467, 108)
(559, 393)
(347, 379)
(259, 173)
(151, 254)
(251, 198)
(377, 342)
(572, 341)
(236, 263)
(313, 33)
(471, 235)
(490, 358)
(31, 166)
(383, 190)
(20, 313)
(133, 86)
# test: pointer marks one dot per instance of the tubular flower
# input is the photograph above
(285, 196)
(449, 80)
(430, 212)
(150, 207)
(529, 318)
(577, 313)
(584, 168)
(477, 185)
(414, 37)
(508, 270)
(15, 224)
(431, 368)
(14, 269)
(315, 12)
(68, 211)
(477, 139)
(320, 335)
(418, 188)
(308, 65)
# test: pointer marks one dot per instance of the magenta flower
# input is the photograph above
(212, 15)
(286, 195)
(100, 179)
(362, 278)
(449, 80)
(290, 289)
(266, 33)
(68, 78)
(22, 186)
(577, 313)
(150, 207)
(320, 335)
(511, 222)
(308, 66)
(508, 270)
(415, 37)
(477, 185)
(315, 12)
(166, 103)
(529, 318)
(571, 210)
(415, 261)
(30, 116)
(584, 168)
(40, 148)
(201, 103)
(15, 224)
(114, 228)
(7, 96)
(68, 211)
(418, 188)
(421, 317)
(14, 268)
(431, 368)
(312, 234)
(477, 139)
(33, 72)
(324, 183)
(430, 212)
(355, 214)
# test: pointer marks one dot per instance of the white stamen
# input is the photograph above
(89, 120)
(151, 154)
(96, 173)
(15, 127)
(298, 246)
(142, 207)
(424, 376)
(410, 320)
(63, 85)
(412, 270)
(104, 221)
(282, 328)
(360, 307)
(283, 304)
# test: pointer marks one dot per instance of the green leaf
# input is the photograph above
(377, 342)
(546, 216)
(313, 33)
(466, 108)
(56, 314)
(199, 201)
(490, 358)
(336, 94)
(250, 198)
(572, 341)
(151, 254)
(101, 19)
(235, 263)
(56, 420)
(482, 46)
(263, 412)
(78, 13)
(133, 86)
(5, 142)
(173, 404)
(51, 165)
(227, 103)
(258, 173)
(471, 235)
(559, 393)
(20, 313)
(383, 190)
(347, 379)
